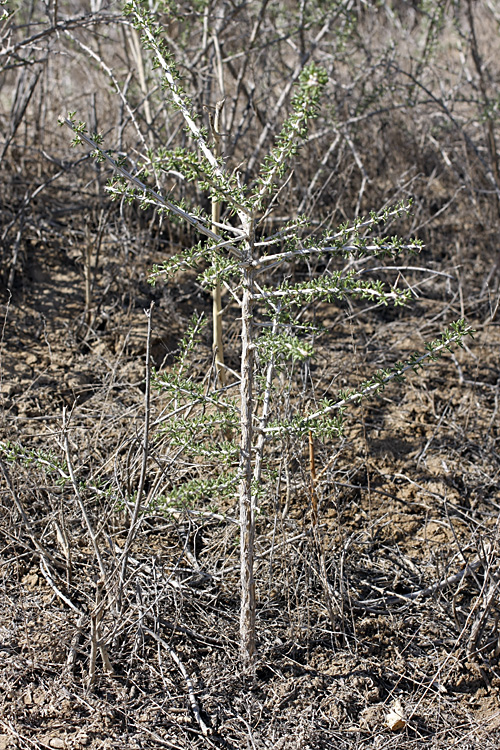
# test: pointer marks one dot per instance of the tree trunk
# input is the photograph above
(247, 519)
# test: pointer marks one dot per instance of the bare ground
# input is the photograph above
(407, 502)
(395, 598)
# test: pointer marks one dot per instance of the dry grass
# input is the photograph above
(410, 498)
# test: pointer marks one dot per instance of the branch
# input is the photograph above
(193, 220)
(192, 698)
(377, 385)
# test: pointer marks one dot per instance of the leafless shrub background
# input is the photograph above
(408, 503)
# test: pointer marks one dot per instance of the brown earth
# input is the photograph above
(406, 501)
(391, 604)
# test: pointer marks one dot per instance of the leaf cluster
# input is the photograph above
(328, 419)
(312, 81)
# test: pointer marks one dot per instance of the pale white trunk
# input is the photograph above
(218, 343)
(247, 519)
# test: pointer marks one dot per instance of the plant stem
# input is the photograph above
(266, 408)
(316, 532)
(135, 520)
(247, 517)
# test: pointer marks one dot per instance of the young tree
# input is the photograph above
(240, 256)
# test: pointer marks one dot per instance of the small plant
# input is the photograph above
(215, 424)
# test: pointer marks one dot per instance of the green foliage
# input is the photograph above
(5, 12)
(52, 466)
(196, 168)
(284, 345)
(328, 420)
(312, 81)
(48, 461)
(204, 423)
(336, 286)
(209, 491)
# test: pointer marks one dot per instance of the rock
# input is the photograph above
(396, 718)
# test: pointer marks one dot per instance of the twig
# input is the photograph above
(327, 589)
(95, 636)
(80, 502)
(371, 388)
(48, 577)
(218, 342)
(134, 524)
(86, 19)
(266, 407)
(192, 698)
(438, 586)
(488, 598)
(71, 658)
(158, 199)
(15, 252)
(90, 52)
(39, 548)
(36, 743)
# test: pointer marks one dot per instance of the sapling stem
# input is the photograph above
(247, 515)
(266, 407)
(87, 269)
